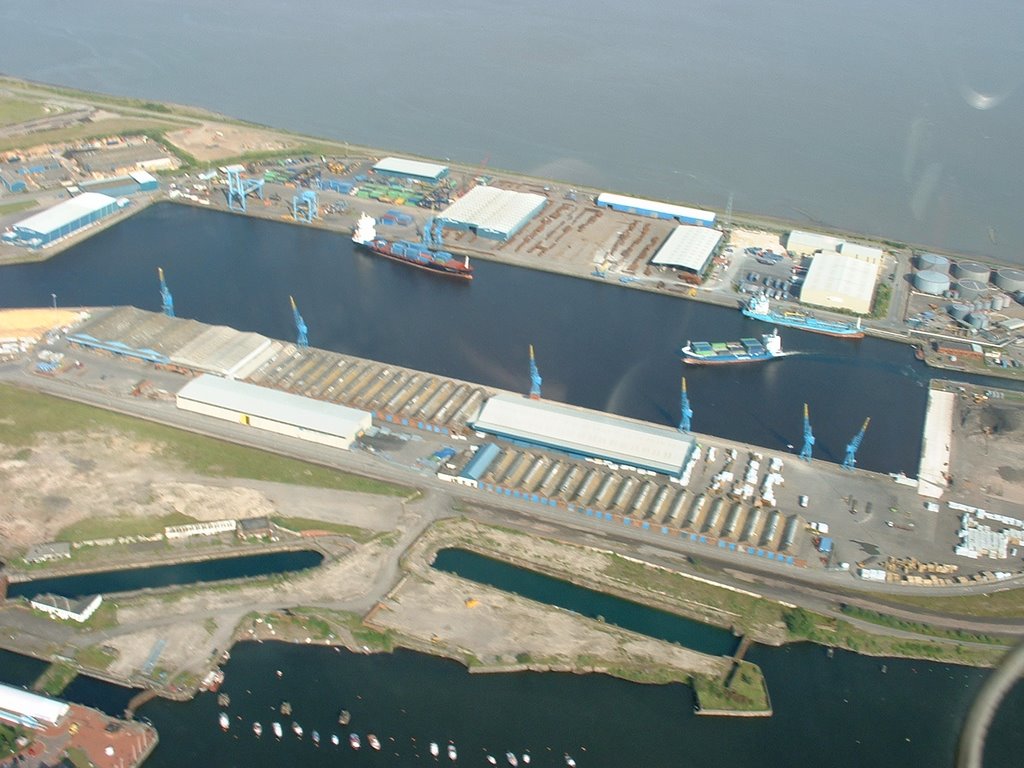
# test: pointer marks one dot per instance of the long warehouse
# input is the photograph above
(492, 212)
(286, 414)
(585, 433)
(62, 219)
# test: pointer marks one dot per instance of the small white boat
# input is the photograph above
(257, 729)
(353, 741)
(316, 737)
(373, 741)
(512, 759)
(526, 758)
(224, 721)
(570, 762)
(492, 760)
(335, 740)
(297, 729)
(278, 732)
(453, 755)
(434, 749)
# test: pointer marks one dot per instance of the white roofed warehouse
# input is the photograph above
(61, 220)
(491, 212)
(656, 209)
(689, 248)
(411, 169)
(274, 411)
(585, 433)
(28, 709)
(837, 281)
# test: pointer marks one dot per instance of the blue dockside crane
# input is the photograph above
(851, 449)
(805, 452)
(535, 379)
(239, 189)
(300, 325)
(428, 233)
(165, 294)
(438, 234)
(684, 408)
(306, 206)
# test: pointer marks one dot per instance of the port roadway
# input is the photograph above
(814, 589)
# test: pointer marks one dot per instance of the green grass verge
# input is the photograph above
(1006, 604)
(300, 524)
(743, 690)
(14, 110)
(111, 127)
(824, 630)
(920, 628)
(27, 414)
(55, 679)
(78, 757)
(21, 205)
(96, 657)
(110, 527)
(8, 739)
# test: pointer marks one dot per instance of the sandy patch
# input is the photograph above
(755, 238)
(33, 323)
(216, 141)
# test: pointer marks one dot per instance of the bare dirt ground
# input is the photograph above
(216, 141)
(33, 323)
(988, 449)
(750, 238)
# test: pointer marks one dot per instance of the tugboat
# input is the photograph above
(419, 255)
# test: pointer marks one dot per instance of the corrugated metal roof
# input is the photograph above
(64, 213)
(688, 247)
(835, 280)
(481, 460)
(27, 704)
(800, 241)
(142, 177)
(608, 198)
(586, 433)
(493, 209)
(302, 412)
(410, 167)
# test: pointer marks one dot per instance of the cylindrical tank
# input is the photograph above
(1009, 280)
(974, 319)
(1004, 301)
(983, 320)
(970, 289)
(958, 311)
(1018, 296)
(933, 262)
(971, 270)
(954, 294)
(931, 282)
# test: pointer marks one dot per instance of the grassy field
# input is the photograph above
(95, 657)
(1007, 604)
(55, 679)
(99, 129)
(13, 110)
(745, 691)
(27, 414)
(121, 525)
(917, 627)
(21, 205)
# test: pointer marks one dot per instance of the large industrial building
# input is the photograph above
(838, 281)
(411, 169)
(274, 411)
(62, 219)
(689, 248)
(118, 158)
(491, 212)
(800, 243)
(656, 209)
(585, 433)
(120, 186)
(28, 709)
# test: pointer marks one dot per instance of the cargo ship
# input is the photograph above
(759, 308)
(743, 351)
(417, 255)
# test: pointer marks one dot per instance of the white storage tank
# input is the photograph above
(933, 262)
(931, 282)
(1009, 280)
(970, 289)
(971, 270)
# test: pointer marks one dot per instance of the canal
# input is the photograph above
(598, 345)
(153, 577)
(586, 602)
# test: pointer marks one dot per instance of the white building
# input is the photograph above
(274, 411)
(211, 528)
(800, 243)
(60, 607)
(689, 247)
(29, 709)
(836, 281)
(862, 252)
